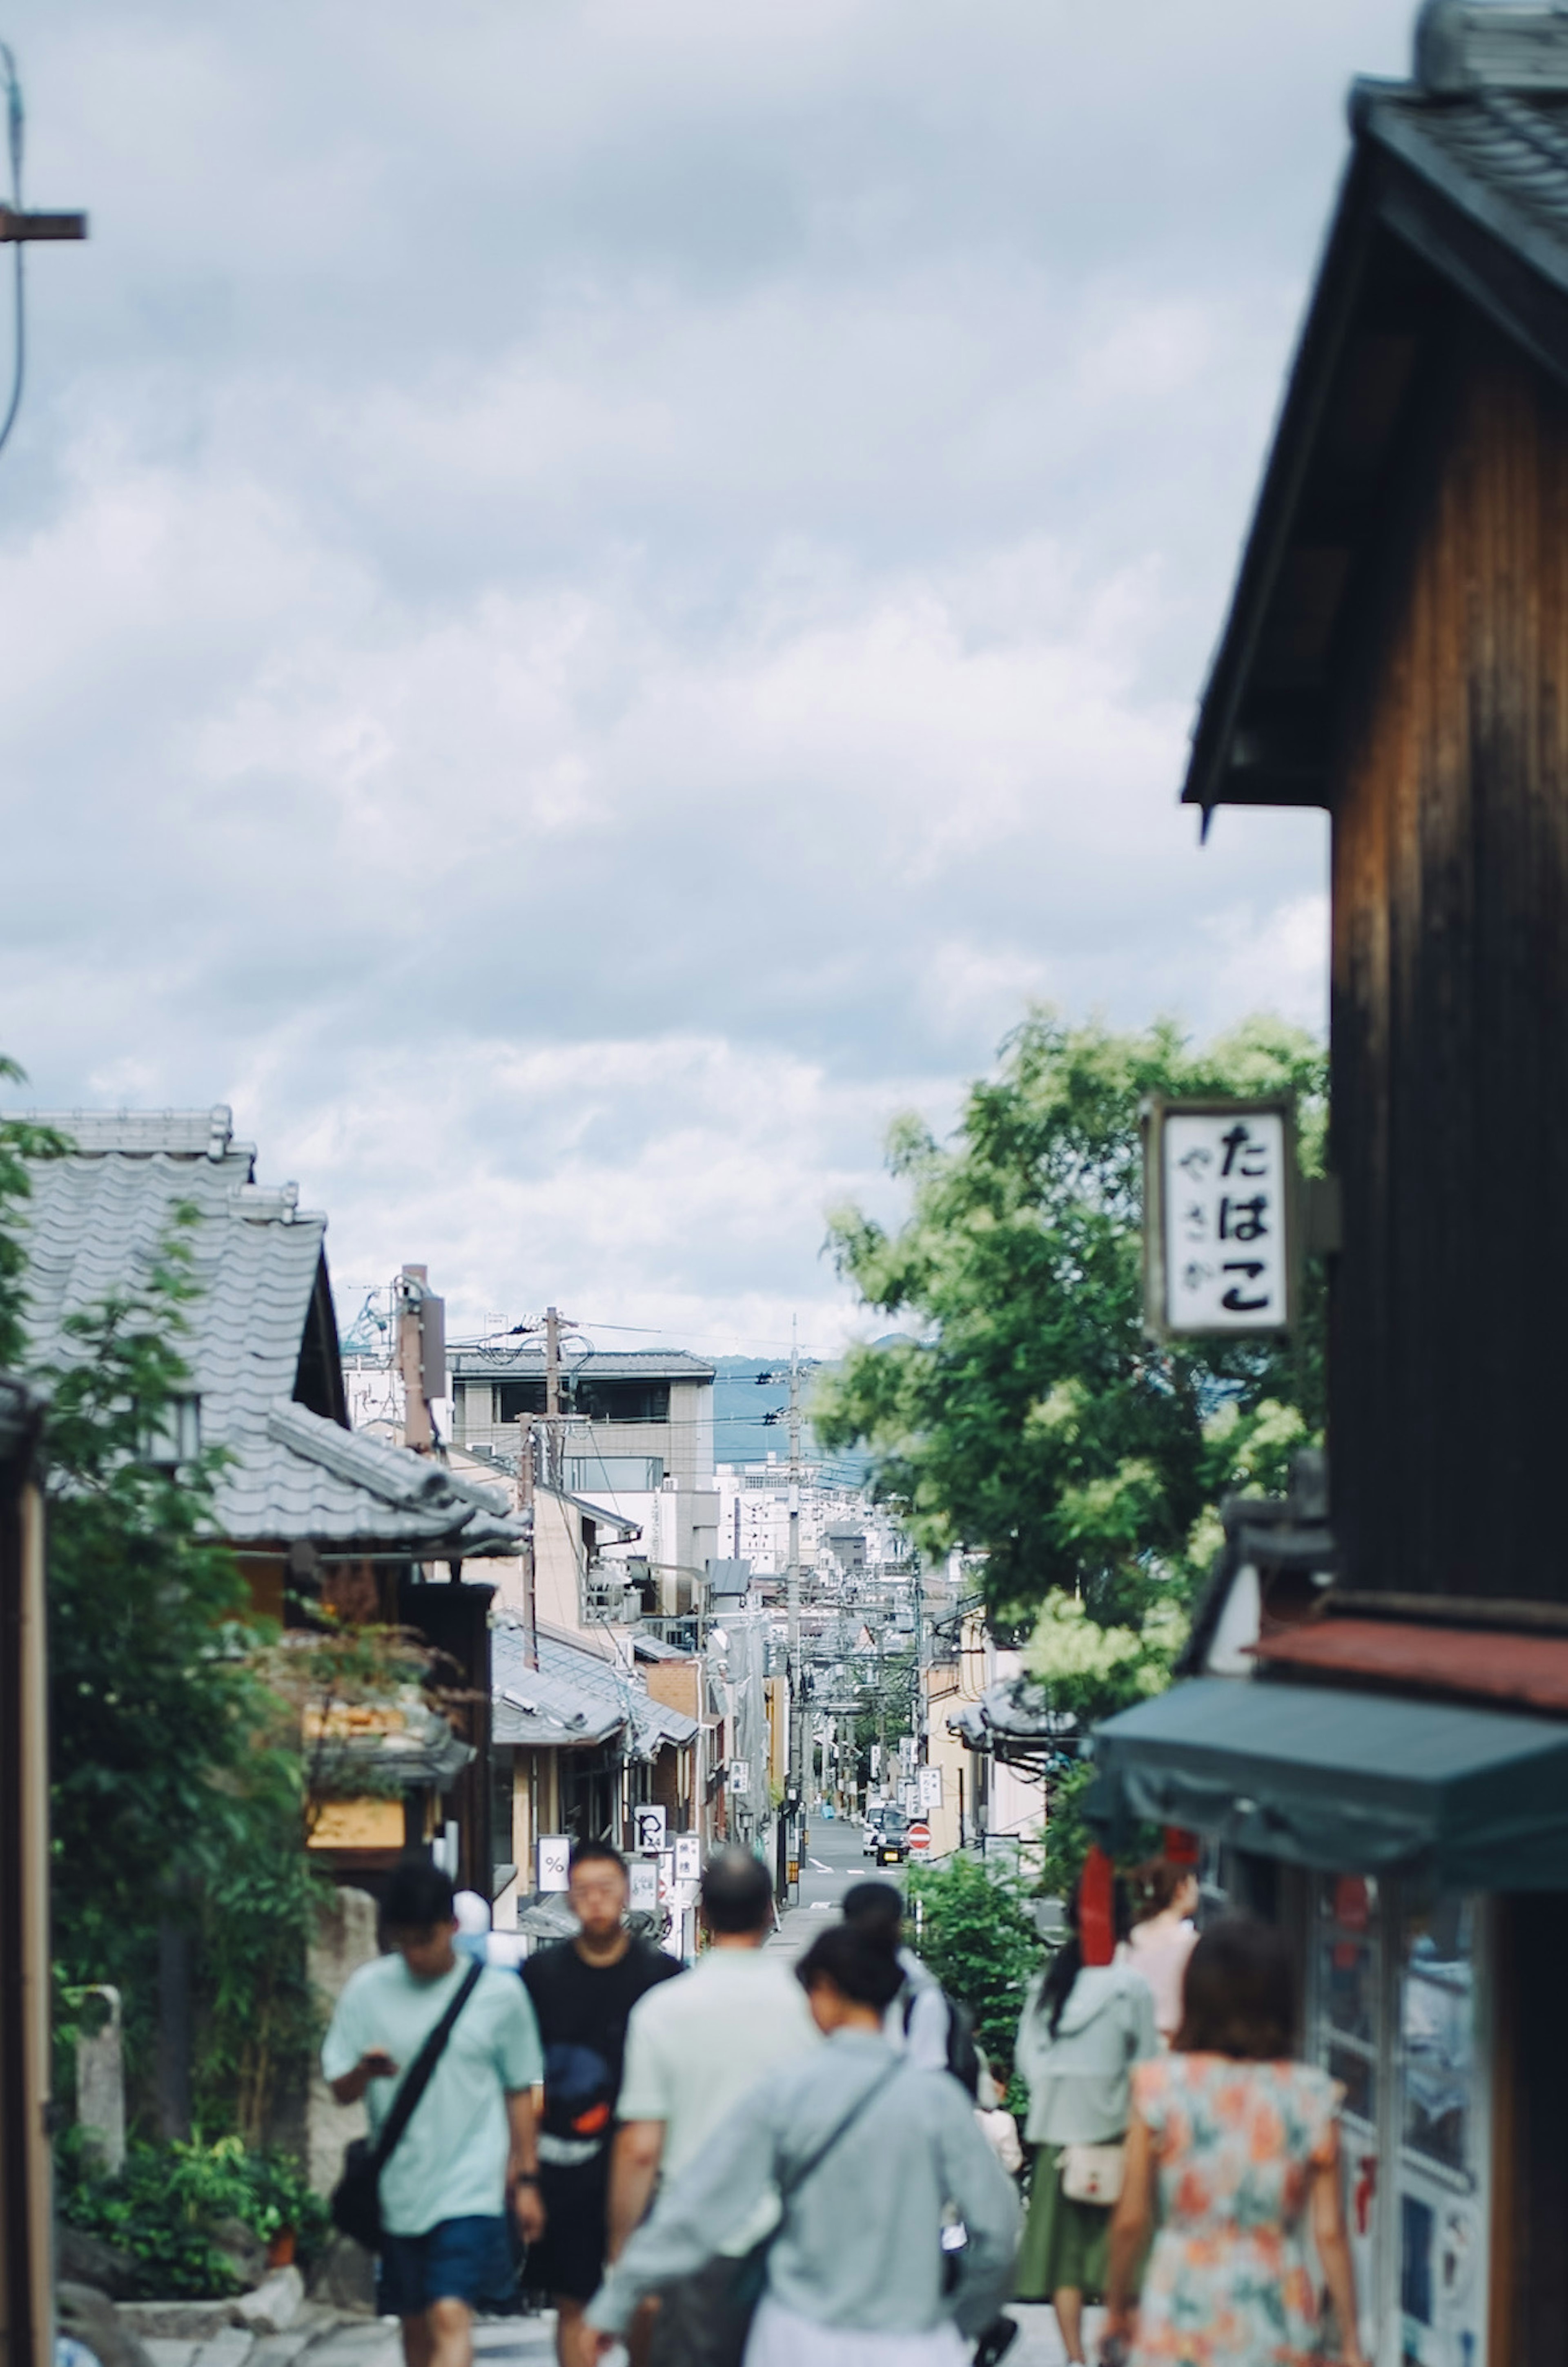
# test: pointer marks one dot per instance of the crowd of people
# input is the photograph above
(765, 2163)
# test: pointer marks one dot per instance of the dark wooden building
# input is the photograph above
(1390, 1775)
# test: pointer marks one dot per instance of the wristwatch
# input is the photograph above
(527, 2177)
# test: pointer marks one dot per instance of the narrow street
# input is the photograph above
(835, 1859)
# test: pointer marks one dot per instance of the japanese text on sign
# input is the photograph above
(1226, 1252)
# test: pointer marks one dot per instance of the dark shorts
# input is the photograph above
(569, 2259)
(459, 2260)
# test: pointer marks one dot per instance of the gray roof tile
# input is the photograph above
(95, 1223)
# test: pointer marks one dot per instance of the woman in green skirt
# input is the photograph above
(1083, 2028)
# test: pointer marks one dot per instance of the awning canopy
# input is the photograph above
(1349, 1783)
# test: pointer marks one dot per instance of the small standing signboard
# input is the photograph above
(1220, 1230)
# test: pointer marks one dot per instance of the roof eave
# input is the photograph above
(1209, 783)
(1472, 242)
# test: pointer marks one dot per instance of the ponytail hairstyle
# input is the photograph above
(1067, 1961)
(1154, 1885)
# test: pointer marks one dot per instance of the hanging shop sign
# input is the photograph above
(555, 1861)
(1221, 1228)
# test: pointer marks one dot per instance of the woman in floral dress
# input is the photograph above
(1245, 2145)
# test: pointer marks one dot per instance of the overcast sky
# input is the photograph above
(594, 593)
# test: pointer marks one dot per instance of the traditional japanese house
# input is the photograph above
(1374, 1745)
(312, 1511)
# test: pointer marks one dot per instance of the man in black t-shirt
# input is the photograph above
(583, 1991)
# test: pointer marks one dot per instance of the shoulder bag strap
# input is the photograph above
(420, 2071)
(789, 2187)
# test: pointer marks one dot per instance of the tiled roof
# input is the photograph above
(574, 1679)
(189, 1134)
(1500, 155)
(95, 1223)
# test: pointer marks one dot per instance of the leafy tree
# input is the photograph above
(169, 1781)
(974, 1933)
(1022, 1414)
(19, 1141)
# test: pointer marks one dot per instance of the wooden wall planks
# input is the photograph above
(1449, 996)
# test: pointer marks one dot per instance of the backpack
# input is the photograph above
(962, 2055)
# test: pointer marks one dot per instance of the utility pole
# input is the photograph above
(412, 1290)
(552, 1397)
(525, 1507)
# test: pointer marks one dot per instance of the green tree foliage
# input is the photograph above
(974, 1933)
(169, 2207)
(19, 1141)
(178, 1781)
(1022, 1414)
(154, 1707)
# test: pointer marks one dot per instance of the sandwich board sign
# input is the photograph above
(1220, 1218)
(648, 1825)
(555, 1861)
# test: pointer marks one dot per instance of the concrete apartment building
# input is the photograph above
(634, 1434)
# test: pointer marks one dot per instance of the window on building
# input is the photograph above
(625, 1475)
(597, 1400)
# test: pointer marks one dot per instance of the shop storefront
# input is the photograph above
(1394, 1840)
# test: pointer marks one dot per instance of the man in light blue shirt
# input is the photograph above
(472, 2133)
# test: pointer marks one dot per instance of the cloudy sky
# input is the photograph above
(594, 593)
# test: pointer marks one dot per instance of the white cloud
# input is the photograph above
(589, 606)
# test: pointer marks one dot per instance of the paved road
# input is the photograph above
(834, 1859)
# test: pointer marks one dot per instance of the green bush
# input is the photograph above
(166, 2207)
(974, 1932)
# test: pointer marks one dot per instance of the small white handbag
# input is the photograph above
(1093, 2173)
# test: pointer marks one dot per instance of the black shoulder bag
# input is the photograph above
(356, 2198)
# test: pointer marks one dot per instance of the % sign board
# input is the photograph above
(555, 1861)
(1220, 1222)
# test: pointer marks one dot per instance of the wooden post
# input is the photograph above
(27, 2314)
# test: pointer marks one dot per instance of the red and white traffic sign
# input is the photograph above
(919, 1839)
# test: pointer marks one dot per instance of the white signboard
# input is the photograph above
(909, 1798)
(688, 1857)
(740, 1775)
(1219, 1210)
(930, 1787)
(644, 1873)
(555, 1861)
(649, 1826)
